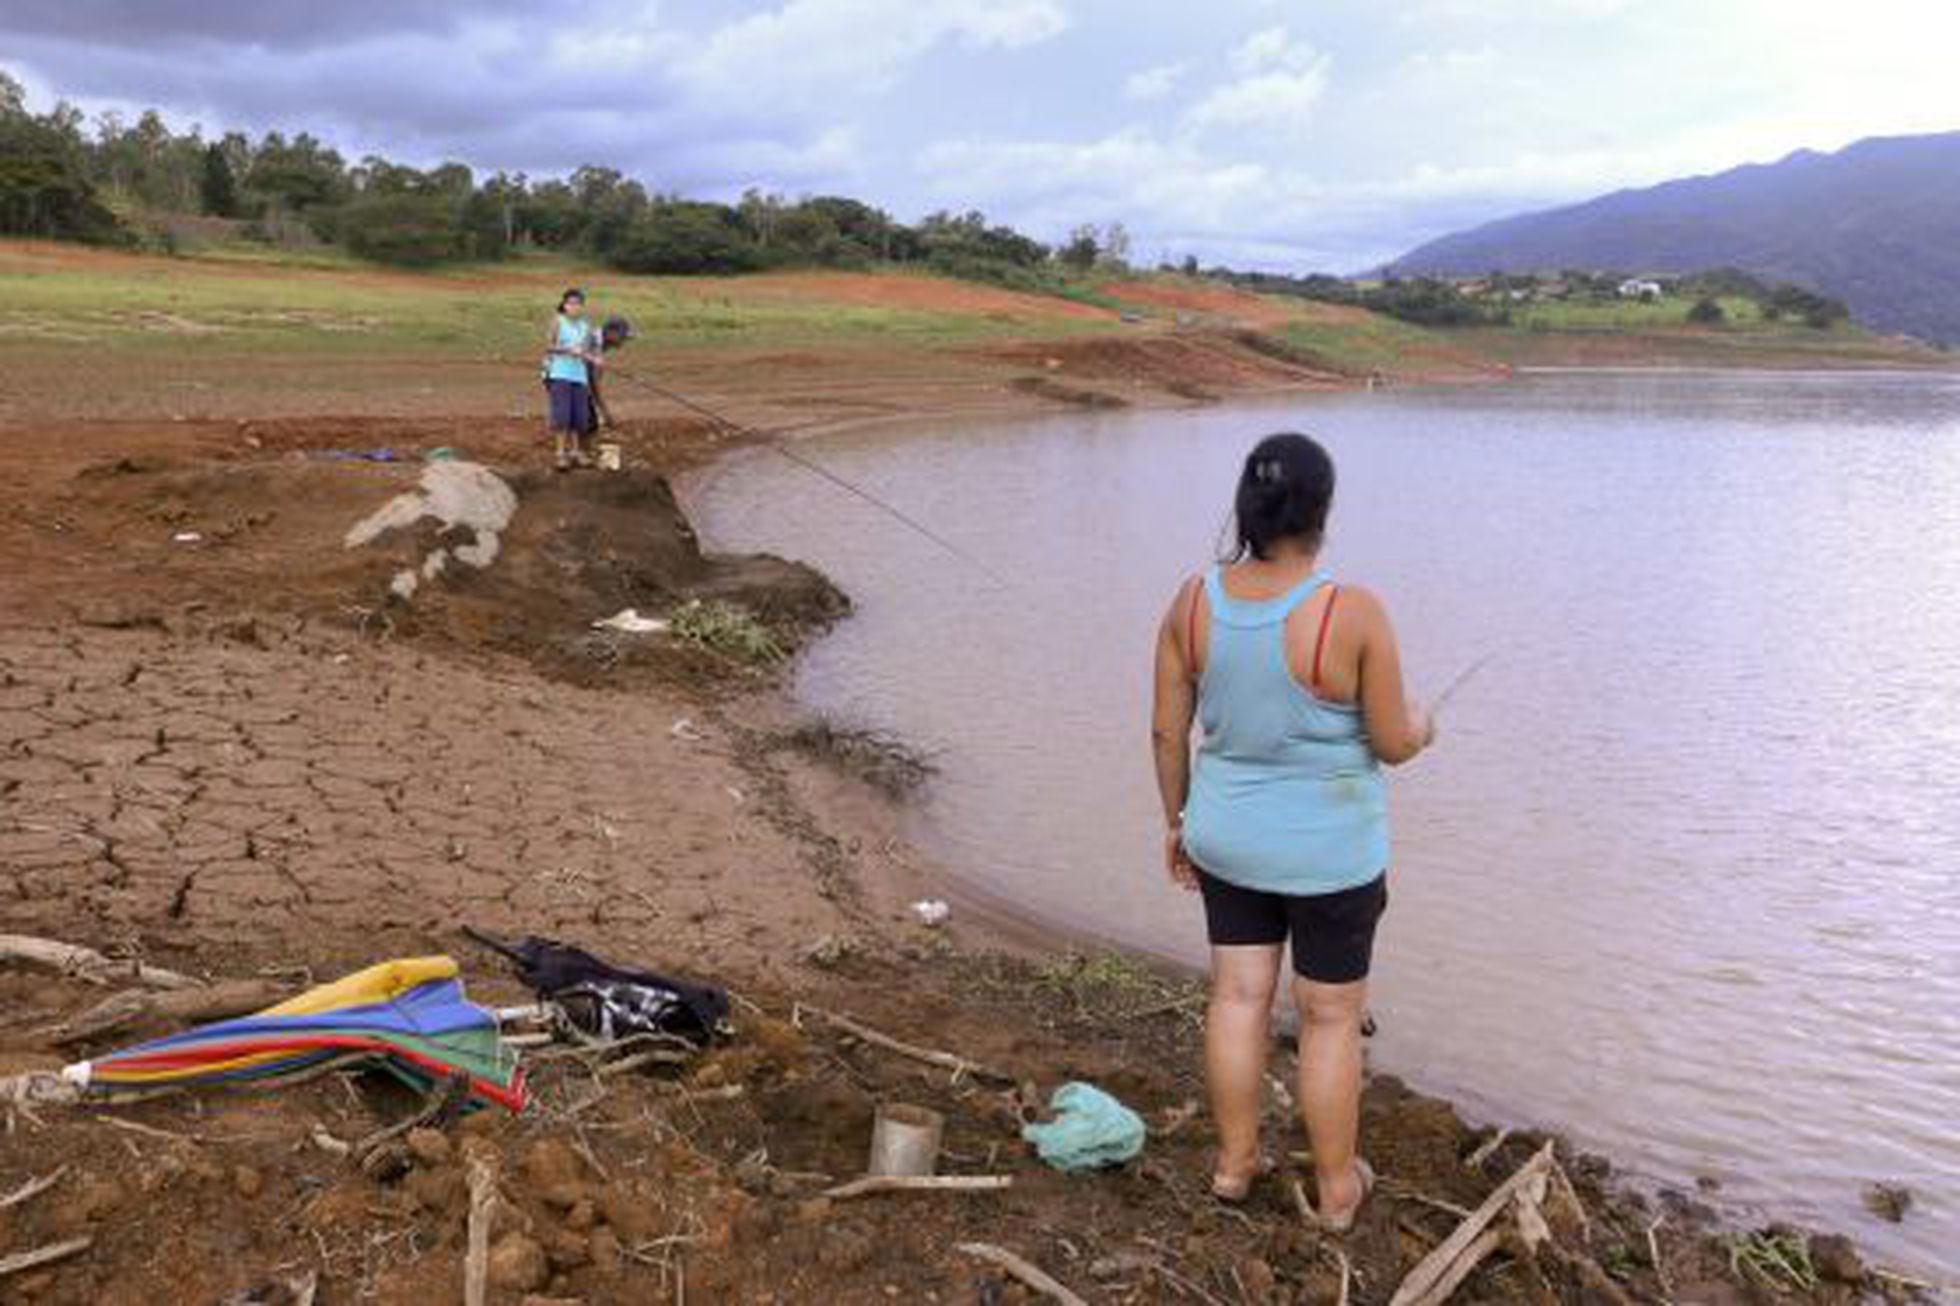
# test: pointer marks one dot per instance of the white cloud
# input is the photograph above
(1271, 48)
(1153, 83)
(1280, 84)
(826, 49)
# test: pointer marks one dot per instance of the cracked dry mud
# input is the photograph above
(221, 797)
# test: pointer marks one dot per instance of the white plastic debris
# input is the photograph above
(932, 912)
(629, 621)
(686, 729)
(186, 537)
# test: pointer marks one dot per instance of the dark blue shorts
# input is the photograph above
(570, 406)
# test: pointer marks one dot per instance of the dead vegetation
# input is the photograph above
(877, 758)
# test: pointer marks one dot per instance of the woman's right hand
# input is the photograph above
(1183, 873)
(1422, 724)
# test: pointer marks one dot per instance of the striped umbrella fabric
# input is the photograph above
(410, 1016)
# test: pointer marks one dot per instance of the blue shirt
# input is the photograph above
(1286, 795)
(573, 333)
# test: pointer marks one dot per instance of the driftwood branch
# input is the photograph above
(1439, 1273)
(931, 1183)
(1027, 1273)
(1568, 1196)
(959, 1065)
(483, 1203)
(43, 1255)
(86, 963)
(178, 1006)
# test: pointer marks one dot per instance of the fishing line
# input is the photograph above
(816, 469)
(1461, 679)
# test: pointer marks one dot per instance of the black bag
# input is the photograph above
(612, 1002)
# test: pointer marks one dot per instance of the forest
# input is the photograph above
(141, 184)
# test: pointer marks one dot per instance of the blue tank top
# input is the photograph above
(573, 333)
(1286, 796)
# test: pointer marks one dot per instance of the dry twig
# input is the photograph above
(1027, 1273)
(43, 1255)
(476, 1263)
(1654, 1255)
(931, 1183)
(1488, 1149)
(959, 1065)
(33, 1188)
(149, 1131)
(441, 1106)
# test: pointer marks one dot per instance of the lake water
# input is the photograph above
(1682, 876)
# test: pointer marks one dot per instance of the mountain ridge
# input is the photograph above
(1876, 224)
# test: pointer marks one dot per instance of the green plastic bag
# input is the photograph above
(1090, 1130)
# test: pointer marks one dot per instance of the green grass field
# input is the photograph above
(322, 306)
(1739, 314)
(316, 316)
(1368, 344)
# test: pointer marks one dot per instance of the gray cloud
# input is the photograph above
(1239, 129)
(268, 24)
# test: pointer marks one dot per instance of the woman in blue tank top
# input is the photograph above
(1281, 824)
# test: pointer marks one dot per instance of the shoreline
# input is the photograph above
(347, 779)
(1004, 922)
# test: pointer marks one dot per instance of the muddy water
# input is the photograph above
(1683, 875)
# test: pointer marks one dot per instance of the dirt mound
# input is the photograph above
(1217, 304)
(577, 549)
(221, 523)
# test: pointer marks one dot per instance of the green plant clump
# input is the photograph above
(728, 630)
(1776, 1260)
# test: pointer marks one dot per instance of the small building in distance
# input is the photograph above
(1636, 288)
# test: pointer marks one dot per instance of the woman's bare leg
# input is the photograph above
(1237, 1026)
(1330, 1086)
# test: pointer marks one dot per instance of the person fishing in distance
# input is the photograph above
(1281, 824)
(569, 351)
(613, 334)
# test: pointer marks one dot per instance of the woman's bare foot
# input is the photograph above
(1233, 1183)
(1340, 1201)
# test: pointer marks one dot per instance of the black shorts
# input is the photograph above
(1333, 934)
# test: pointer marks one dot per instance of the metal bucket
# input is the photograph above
(905, 1140)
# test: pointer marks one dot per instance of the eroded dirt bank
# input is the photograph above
(228, 747)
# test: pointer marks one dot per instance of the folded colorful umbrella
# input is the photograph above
(409, 1016)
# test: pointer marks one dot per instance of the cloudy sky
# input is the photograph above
(1300, 134)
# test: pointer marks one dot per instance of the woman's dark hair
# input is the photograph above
(1284, 493)
(570, 294)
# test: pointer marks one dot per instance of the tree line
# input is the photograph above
(113, 181)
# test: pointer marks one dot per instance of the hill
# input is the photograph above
(1876, 224)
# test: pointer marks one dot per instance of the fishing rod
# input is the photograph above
(815, 468)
